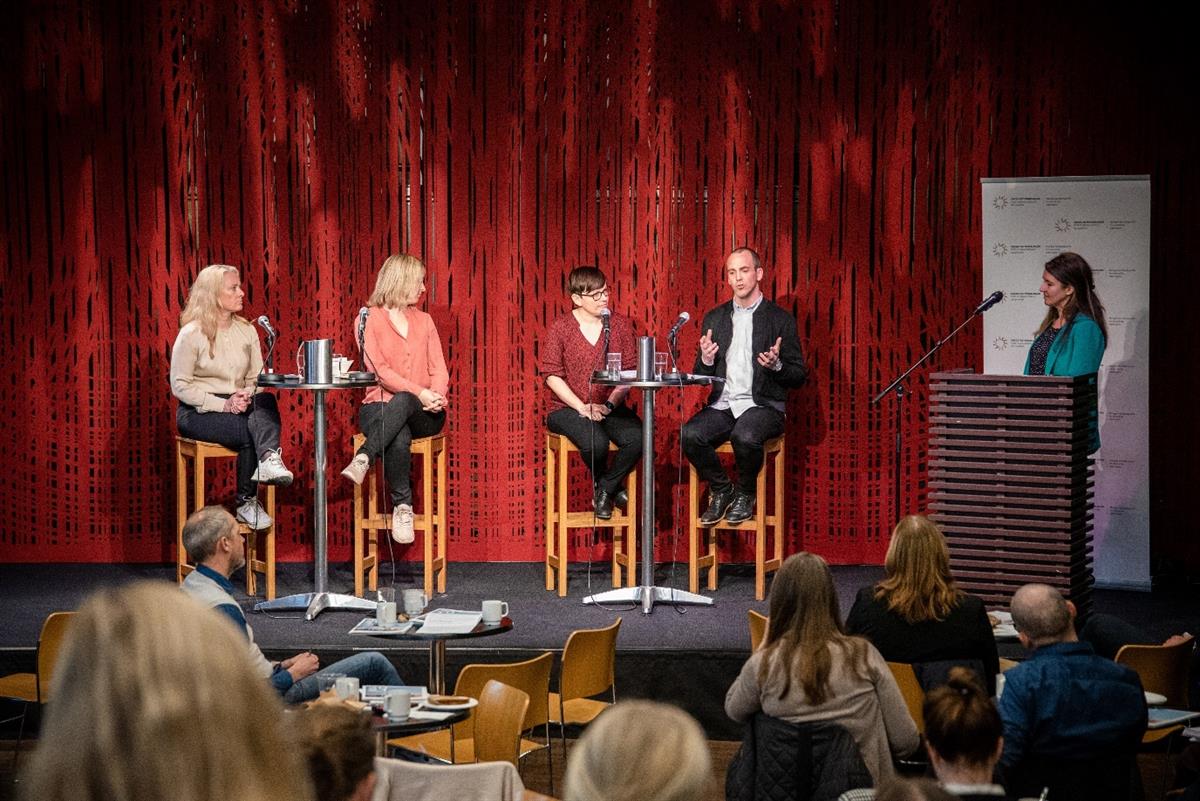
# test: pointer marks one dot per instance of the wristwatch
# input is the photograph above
(609, 405)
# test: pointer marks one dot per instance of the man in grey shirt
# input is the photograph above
(752, 344)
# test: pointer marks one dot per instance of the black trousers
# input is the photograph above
(251, 433)
(390, 429)
(711, 427)
(592, 437)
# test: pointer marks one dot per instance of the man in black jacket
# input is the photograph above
(752, 344)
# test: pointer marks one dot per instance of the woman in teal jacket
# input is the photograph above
(1072, 338)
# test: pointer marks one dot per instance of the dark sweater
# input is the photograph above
(965, 634)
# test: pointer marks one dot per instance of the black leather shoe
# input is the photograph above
(621, 500)
(603, 505)
(742, 508)
(718, 502)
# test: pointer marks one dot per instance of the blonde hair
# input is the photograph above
(202, 304)
(639, 751)
(398, 282)
(155, 697)
(917, 584)
(806, 624)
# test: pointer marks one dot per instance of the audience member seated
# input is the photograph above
(1072, 720)
(212, 542)
(640, 751)
(151, 702)
(809, 670)
(912, 790)
(964, 736)
(337, 744)
(917, 614)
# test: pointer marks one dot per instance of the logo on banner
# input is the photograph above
(1000, 202)
(1000, 343)
(1062, 224)
(999, 249)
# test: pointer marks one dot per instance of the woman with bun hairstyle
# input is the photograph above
(964, 737)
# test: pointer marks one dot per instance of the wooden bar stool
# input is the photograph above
(193, 452)
(430, 521)
(559, 519)
(774, 453)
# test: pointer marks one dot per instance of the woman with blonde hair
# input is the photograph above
(214, 372)
(918, 615)
(809, 670)
(640, 751)
(154, 696)
(401, 346)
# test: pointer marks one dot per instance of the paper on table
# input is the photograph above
(428, 714)
(450, 621)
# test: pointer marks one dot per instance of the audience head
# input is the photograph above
(917, 584)
(211, 534)
(154, 696)
(1042, 616)
(400, 282)
(639, 751)
(912, 790)
(805, 617)
(338, 746)
(963, 732)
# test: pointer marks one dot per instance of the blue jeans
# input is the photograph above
(369, 667)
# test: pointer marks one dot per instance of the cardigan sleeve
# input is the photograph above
(744, 696)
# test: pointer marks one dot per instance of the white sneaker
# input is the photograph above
(253, 515)
(356, 471)
(402, 524)
(272, 471)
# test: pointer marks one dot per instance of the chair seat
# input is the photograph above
(19, 687)
(436, 744)
(1154, 736)
(577, 710)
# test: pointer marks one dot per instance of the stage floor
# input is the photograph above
(687, 654)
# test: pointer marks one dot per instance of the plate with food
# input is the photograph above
(449, 703)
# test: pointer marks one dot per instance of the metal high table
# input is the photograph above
(647, 594)
(320, 599)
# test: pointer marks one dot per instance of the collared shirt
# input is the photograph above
(1067, 702)
(738, 395)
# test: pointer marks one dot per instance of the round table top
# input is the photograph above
(293, 381)
(385, 725)
(627, 379)
(481, 630)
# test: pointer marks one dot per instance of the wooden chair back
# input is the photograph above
(1163, 669)
(531, 677)
(758, 629)
(499, 721)
(910, 688)
(50, 643)
(588, 662)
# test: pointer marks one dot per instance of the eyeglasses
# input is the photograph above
(602, 292)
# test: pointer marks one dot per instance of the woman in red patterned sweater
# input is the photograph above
(590, 415)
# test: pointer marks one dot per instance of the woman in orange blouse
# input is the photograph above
(401, 346)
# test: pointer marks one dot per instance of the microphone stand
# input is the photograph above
(270, 360)
(897, 388)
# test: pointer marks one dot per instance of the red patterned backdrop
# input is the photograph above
(505, 143)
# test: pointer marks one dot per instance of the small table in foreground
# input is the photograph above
(437, 647)
(385, 728)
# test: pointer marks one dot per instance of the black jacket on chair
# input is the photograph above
(781, 761)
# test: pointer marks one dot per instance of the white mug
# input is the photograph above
(347, 688)
(397, 704)
(385, 613)
(414, 602)
(494, 610)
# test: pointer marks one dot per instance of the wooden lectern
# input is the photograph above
(1011, 483)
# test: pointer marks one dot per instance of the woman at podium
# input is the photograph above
(1072, 337)
(402, 347)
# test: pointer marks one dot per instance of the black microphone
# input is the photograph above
(605, 314)
(265, 323)
(679, 323)
(990, 301)
(362, 325)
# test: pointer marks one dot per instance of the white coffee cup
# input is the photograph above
(414, 602)
(347, 688)
(493, 611)
(397, 704)
(341, 365)
(385, 613)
